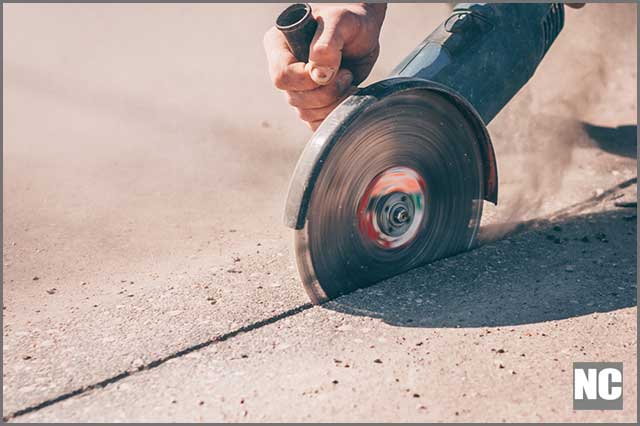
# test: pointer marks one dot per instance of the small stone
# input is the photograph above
(335, 382)
(500, 366)
(416, 395)
(500, 351)
(200, 402)
(235, 259)
(137, 363)
(36, 278)
(377, 361)
(52, 290)
(26, 357)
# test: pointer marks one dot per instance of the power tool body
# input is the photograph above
(396, 176)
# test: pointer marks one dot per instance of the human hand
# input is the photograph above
(341, 55)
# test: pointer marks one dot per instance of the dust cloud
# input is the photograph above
(536, 136)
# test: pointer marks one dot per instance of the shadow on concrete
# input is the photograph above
(621, 140)
(573, 267)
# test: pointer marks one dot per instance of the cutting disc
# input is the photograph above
(402, 186)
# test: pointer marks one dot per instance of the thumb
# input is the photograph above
(325, 52)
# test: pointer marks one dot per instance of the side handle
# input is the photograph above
(298, 26)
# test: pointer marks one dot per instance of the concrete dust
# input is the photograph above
(536, 135)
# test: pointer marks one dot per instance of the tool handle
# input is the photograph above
(486, 51)
(298, 26)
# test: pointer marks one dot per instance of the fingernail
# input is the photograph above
(344, 81)
(322, 75)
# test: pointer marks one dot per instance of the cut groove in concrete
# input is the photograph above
(159, 362)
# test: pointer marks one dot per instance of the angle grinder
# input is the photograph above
(396, 176)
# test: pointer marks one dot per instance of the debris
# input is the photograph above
(26, 357)
(36, 278)
(377, 361)
(244, 356)
(585, 239)
(211, 300)
(234, 271)
(200, 402)
(500, 351)
(83, 283)
(52, 290)
(630, 218)
(335, 382)
(557, 228)
(235, 259)
(626, 204)
(602, 237)
(500, 365)
(570, 268)
(416, 395)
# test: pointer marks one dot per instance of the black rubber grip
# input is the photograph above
(298, 26)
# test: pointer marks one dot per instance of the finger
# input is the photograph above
(324, 95)
(286, 72)
(325, 51)
(317, 114)
(314, 124)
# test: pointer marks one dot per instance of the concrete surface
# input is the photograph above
(146, 160)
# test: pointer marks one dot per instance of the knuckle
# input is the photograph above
(345, 18)
(306, 115)
(291, 98)
(322, 48)
(326, 96)
(281, 79)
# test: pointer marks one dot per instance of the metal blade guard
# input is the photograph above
(396, 176)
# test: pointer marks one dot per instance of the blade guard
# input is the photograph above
(335, 125)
